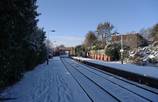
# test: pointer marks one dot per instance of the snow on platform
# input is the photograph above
(142, 70)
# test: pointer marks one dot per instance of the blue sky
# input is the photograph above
(72, 19)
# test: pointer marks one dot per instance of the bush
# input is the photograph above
(113, 50)
(88, 49)
(78, 49)
(96, 48)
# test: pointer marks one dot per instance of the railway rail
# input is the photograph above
(82, 86)
(113, 79)
(142, 86)
(143, 79)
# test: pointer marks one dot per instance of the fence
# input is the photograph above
(99, 57)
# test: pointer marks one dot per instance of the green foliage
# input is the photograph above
(78, 50)
(21, 41)
(113, 50)
(88, 49)
(96, 48)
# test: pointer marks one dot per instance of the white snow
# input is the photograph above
(47, 83)
(151, 56)
(145, 54)
(116, 90)
(54, 83)
(143, 70)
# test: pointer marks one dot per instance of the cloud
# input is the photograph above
(67, 44)
(67, 38)
(66, 41)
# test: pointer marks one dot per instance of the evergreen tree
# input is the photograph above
(21, 40)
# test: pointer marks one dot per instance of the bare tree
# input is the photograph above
(90, 39)
(155, 32)
(50, 44)
(104, 32)
(150, 33)
(146, 33)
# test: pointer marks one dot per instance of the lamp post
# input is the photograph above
(56, 53)
(53, 51)
(48, 45)
(121, 51)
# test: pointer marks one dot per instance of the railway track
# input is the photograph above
(88, 93)
(142, 86)
(83, 69)
(134, 76)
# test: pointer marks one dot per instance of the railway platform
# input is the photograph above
(142, 74)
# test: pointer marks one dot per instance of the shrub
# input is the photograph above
(96, 48)
(113, 50)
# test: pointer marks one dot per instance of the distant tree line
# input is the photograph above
(21, 41)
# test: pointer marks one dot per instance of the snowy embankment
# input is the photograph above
(142, 70)
(47, 83)
(146, 56)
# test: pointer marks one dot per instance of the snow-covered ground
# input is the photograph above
(107, 82)
(47, 83)
(54, 83)
(146, 56)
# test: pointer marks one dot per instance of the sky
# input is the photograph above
(73, 19)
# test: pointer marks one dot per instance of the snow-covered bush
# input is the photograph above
(35, 47)
(155, 43)
(147, 56)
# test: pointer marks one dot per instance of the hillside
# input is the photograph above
(146, 56)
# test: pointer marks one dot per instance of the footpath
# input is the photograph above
(47, 83)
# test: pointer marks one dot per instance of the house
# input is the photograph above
(133, 40)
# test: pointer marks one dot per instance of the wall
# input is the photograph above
(101, 52)
(99, 57)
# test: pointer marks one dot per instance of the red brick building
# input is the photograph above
(132, 40)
